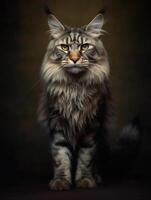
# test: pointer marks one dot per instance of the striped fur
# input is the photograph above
(75, 71)
(75, 106)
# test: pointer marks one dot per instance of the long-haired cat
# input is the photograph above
(76, 104)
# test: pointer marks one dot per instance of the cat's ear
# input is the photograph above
(94, 28)
(55, 26)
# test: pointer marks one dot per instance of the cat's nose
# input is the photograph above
(74, 55)
(74, 59)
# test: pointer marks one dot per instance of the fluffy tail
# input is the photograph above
(121, 155)
(128, 142)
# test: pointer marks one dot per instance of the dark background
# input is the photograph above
(23, 33)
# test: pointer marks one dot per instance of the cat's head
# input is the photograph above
(75, 53)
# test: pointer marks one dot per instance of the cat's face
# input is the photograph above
(76, 52)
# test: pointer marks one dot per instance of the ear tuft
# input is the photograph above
(103, 11)
(55, 26)
(94, 28)
(47, 10)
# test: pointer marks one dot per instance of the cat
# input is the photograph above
(76, 103)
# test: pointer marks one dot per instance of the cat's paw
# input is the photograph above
(59, 184)
(86, 182)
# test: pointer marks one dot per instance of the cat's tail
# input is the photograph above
(122, 153)
(126, 148)
(129, 140)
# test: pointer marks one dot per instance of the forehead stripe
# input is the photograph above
(72, 36)
(76, 36)
(67, 40)
(80, 39)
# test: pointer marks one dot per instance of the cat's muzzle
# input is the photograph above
(75, 69)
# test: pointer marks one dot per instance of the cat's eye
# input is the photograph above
(65, 47)
(84, 46)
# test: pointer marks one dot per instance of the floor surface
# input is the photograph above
(115, 190)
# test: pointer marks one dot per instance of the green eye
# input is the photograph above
(84, 46)
(64, 47)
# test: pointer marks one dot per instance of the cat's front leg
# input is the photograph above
(84, 172)
(61, 157)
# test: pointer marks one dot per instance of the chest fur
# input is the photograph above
(77, 103)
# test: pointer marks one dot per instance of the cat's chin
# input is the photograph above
(75, 69)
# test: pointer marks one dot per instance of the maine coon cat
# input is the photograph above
(76, 105)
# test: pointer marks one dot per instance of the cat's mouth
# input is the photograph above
(75, 69)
